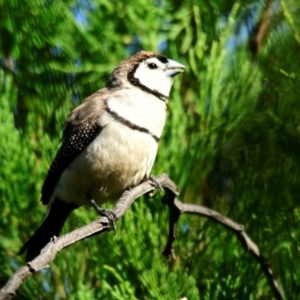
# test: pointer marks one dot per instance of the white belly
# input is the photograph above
(119, 158)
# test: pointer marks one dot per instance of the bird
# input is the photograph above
(109, 143)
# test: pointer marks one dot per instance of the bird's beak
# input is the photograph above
(173, 68)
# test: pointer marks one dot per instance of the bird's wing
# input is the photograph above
(80, 130)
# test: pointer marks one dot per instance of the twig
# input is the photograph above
(259, 32)
(177, 208)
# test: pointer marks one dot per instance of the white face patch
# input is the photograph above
(152, 74)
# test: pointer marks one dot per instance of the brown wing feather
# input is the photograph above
(75, 140)
(80, 130)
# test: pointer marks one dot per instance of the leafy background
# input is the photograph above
(232, 143)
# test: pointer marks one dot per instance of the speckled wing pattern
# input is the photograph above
(75, 139)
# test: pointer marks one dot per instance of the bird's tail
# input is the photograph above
(52, 226)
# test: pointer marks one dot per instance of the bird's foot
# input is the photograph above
(108, 213)
(157, 185)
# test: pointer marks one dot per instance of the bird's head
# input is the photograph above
(149, 71)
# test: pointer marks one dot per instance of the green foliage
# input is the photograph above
(231, 142)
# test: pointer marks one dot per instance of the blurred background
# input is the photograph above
(231, 143)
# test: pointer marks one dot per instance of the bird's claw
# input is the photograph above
(157, 185)
(108, 213)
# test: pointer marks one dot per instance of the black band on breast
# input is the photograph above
(129, 124)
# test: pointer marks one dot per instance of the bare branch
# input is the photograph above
(100, 225)
(260, 30)
(177, 208)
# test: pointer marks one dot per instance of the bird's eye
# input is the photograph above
(152, 66)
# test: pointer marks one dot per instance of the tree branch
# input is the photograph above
(177, 208)
(100, 225)
(260, 30)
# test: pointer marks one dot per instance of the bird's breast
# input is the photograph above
(141, 109)
(117, 159)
